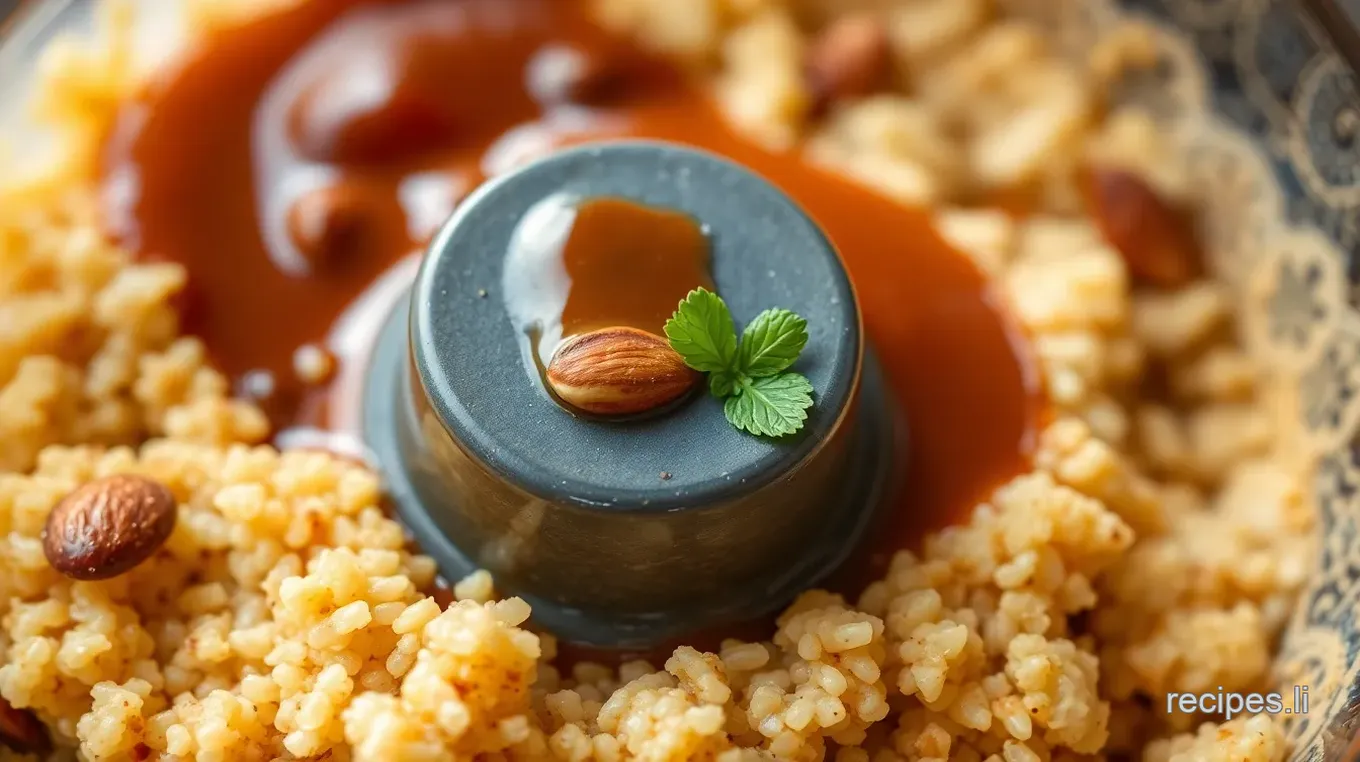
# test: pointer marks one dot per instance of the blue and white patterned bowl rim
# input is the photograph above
(1268, 114)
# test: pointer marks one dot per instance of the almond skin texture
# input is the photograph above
(108, 526)
(619, 371)
(1156, 240)
(852, 58)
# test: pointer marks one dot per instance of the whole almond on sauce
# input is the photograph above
(108, 526)
(619, 371)
(571, 75)
(22, 732)
(851, 58)
(328, 225)
(1156, 240)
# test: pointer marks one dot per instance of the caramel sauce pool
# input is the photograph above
(630, 265)
(577, 265)
(291, 163)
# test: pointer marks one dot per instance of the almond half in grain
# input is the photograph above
(619, 371)
(22, 732)
(850, 59)
(108, 526)
(1156, 240)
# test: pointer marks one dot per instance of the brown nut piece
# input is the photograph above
(851, 58)
(560, 75)
(328, 225)
(21, 731)
(108, 526)
(1156, 240)
(619, 371)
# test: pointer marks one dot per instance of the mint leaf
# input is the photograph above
(771, 343)
(701, 331)
(773, 406)
(724, 383)
(760, 396)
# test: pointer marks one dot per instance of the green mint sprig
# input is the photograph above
(760, 394)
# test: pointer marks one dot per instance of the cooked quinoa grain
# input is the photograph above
(1155, 546)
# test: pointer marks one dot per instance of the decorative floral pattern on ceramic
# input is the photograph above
(1268, 115)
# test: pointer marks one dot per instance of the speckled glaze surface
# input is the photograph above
(1268, 112)
(489, 472)
(479, 372)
